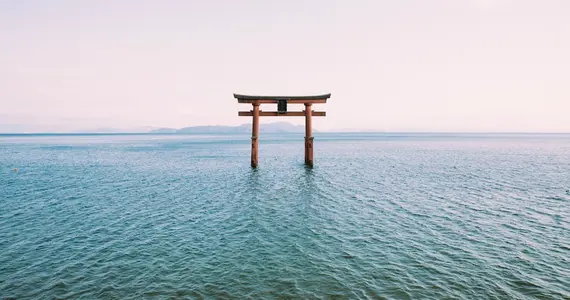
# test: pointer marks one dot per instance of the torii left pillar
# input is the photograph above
(255, 135)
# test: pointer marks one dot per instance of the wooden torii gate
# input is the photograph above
(282, 102)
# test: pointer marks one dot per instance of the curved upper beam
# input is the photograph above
(273, 99)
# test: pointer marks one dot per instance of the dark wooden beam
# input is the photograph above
(287, 114)
(290, 101)
(303, 99)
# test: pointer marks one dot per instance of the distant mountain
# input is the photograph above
(356, 130)
(277, 127)
(163, 130)
(280, 127)
(53, 129)
(24, 123)
(117, 130)
(214, 129)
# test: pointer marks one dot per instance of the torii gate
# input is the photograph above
(282, 102)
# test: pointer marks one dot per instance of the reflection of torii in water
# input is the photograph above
(282, 101)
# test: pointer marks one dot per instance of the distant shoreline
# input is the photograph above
(275, 133)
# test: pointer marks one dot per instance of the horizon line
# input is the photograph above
(241, 133)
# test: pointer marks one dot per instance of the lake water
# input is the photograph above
(380, 216)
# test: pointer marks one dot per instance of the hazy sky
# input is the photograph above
(431, 65)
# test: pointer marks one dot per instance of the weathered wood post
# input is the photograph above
(255, 135)
(308, 135)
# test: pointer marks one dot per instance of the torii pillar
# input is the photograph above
(282, 102)
(308, 135)
(255, 135)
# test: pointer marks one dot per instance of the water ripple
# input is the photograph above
(133, 217)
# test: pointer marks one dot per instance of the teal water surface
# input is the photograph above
(380, 216)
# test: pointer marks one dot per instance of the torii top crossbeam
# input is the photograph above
(289, 99)
(282, 102)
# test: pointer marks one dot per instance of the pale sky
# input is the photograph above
(431, 65)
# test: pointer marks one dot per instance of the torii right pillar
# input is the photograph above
(308, 134)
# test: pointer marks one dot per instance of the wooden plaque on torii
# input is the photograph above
(282, 102)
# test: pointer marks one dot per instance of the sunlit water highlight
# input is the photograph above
(381, 216)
